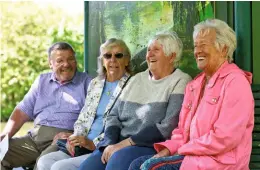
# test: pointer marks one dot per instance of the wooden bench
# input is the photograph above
(255, 156)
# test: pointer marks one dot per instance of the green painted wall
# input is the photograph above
(224, 11)
(242, 25)
(256, 41)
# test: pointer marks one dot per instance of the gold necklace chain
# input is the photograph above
(109, 89)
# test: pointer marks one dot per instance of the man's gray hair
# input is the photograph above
(111, 43)
(60, 46)
(171, 43)
(225, 36)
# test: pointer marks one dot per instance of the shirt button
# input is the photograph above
(214, 100)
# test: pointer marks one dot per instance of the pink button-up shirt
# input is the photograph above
(215, 134)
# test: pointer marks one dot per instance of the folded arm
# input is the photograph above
(234, 115)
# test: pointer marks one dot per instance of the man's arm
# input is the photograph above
(15, 122)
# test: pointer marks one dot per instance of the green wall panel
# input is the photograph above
(243, 53)
(224, 11)
(256, 41)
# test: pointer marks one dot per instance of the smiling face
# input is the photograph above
(208, 57)
(159, 64)
(115, 65)
(63, 64)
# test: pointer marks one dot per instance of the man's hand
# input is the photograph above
(82, 141)
(109, 151)
(163, 153)
(61, 135)
(2, 136)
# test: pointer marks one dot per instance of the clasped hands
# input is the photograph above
(73, 141)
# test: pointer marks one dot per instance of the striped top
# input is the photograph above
(148, 110)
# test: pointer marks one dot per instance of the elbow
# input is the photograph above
(227, 142)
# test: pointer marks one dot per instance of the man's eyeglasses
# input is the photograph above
(109, 55)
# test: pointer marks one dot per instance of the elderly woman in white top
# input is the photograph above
(114, 71)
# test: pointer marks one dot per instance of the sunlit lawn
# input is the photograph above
(22, 131)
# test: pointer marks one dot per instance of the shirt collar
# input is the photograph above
(74, 80)
(201, 77)
(220, 72)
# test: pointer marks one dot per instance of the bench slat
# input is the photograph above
(257, 111)
(257, 120)
(254, 165)
(255, 158)
(256, 144)
(255, 87)
(257, 103)
(256, 136)
(256, 95)
(256, 128)
(256, 151)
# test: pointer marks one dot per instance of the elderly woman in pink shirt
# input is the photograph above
(217, 116)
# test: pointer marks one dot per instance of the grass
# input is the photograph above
(27, 126)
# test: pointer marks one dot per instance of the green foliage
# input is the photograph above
(205, 10)
(137, 21)
(27, 30)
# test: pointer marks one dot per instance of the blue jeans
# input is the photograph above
(163, 163)
(120, 160)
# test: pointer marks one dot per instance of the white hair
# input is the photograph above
(225, 36)
(171, 44)
(110, 43)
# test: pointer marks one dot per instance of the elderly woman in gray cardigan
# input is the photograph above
(147, 110)
(114, 71)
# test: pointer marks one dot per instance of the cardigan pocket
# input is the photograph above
(211, 102)
(212, 99)
(208, 109)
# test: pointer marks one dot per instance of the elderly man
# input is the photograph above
(54, 102)
(217, 115)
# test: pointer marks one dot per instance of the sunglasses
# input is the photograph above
(117, 55)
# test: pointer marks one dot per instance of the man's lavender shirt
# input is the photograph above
(50, 103)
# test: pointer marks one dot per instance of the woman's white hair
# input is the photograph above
(171, 43)
(110, 43)
(225, 36)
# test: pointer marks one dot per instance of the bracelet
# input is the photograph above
(130, 141)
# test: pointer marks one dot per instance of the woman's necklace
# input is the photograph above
(109, 91)
(109, 88)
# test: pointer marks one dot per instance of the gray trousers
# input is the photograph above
(60, 161)
(25, 150)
